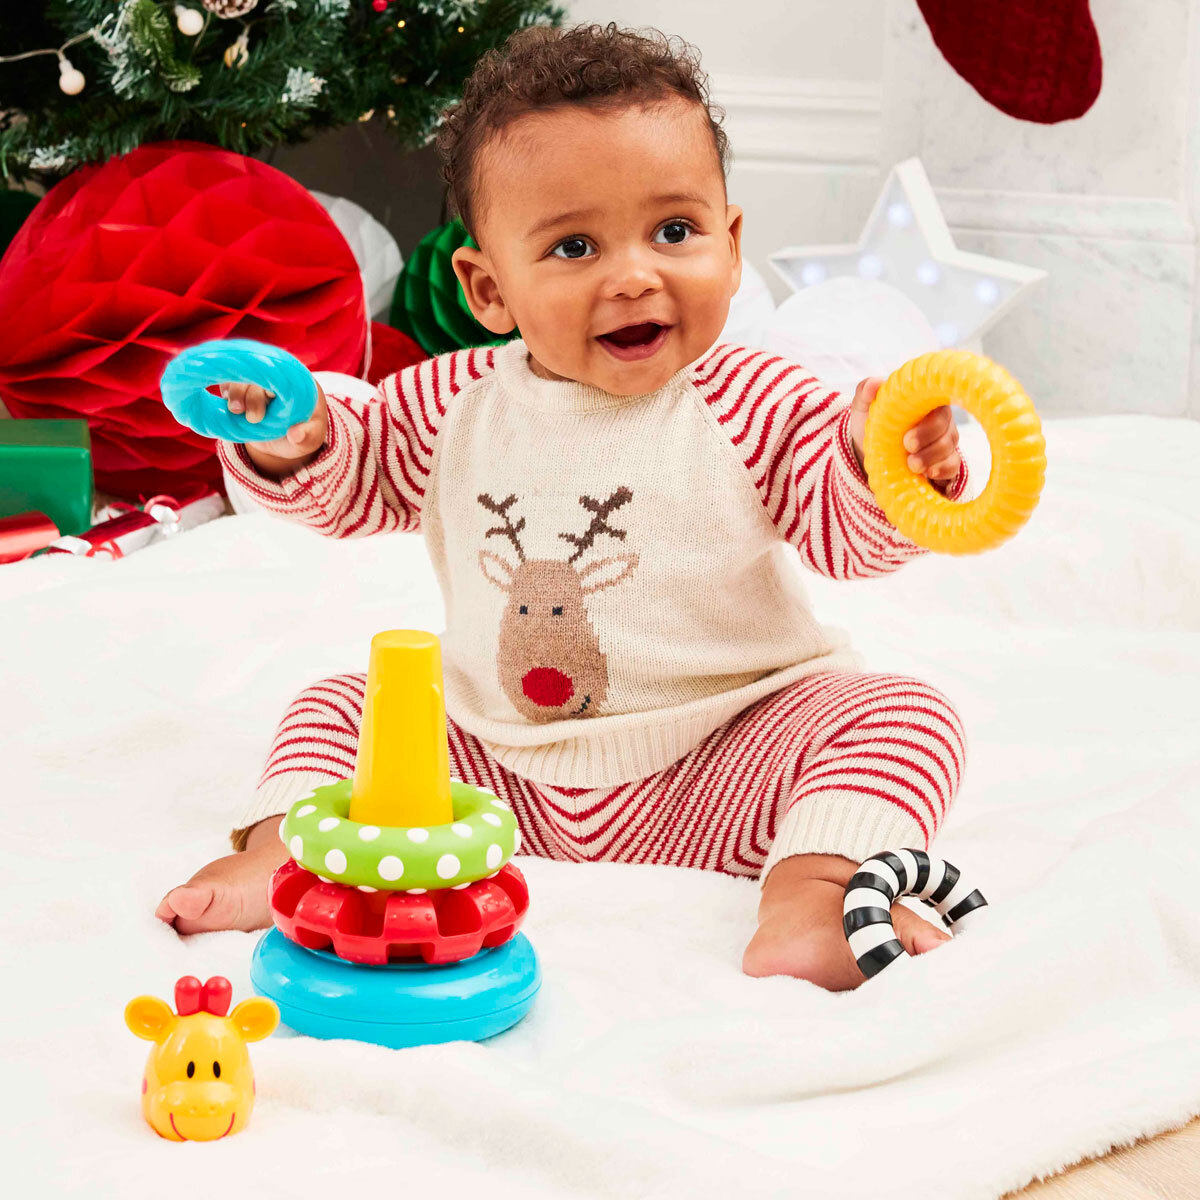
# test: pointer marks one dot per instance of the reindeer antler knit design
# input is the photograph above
(508, 529)
(600, 510)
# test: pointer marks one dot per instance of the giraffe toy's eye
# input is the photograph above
(556, 610)
(191, 1069)
(216, 1069)
(524, 608)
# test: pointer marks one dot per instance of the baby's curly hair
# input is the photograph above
(541, 67)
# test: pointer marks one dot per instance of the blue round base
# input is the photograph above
(401, 1004)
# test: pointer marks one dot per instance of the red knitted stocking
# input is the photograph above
(1038, 60)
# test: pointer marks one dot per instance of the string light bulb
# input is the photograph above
(189, 20)
(70, 80)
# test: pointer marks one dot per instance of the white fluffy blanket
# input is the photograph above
(138, 701)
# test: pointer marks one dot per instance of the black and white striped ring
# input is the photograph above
(880, 882)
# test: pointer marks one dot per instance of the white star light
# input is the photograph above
(907, 244)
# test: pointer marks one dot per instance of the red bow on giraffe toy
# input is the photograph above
(213, 997)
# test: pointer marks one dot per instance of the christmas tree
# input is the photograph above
(83, 80)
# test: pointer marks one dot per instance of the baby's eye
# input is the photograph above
(676, 232)
(572, 244)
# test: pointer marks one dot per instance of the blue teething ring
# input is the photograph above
(189, 374)
(401, 1004)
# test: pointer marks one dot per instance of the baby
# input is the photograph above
(608, 502)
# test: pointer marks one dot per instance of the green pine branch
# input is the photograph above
(308, 65)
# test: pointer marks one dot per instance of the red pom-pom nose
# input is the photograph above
(547, 686)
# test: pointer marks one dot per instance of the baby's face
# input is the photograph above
(592, 220)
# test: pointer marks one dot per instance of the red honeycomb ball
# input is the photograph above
(444, 925)
(391, 351)
(122, 265)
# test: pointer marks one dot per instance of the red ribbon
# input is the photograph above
(169, 501)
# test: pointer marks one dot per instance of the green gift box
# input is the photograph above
(46, 466)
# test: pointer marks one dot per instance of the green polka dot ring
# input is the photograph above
(321, 837)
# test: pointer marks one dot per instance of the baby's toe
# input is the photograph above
(915, 933)
(200, 907)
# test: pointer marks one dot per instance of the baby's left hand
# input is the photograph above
(931, 443)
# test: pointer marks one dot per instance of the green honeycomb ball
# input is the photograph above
(428, 304)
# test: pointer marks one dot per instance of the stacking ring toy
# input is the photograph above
(880, 882)
(998, 402)
(398, 916)
(441, 926)
(321, 837)
(399, 1004)
(189, 375)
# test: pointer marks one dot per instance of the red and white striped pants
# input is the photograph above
(838, 762)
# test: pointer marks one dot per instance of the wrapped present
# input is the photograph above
(46, 466)
(124, 528)
(25, 534)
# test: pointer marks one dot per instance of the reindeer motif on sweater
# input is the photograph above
(550, 662)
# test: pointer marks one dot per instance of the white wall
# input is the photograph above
(800, 83)
(1107, 204)
(783, 39)
(823, 96)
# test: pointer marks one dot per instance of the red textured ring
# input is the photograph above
(443, 925)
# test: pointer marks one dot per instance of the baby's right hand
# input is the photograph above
(280, 456)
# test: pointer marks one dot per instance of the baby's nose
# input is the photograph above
(634, 272)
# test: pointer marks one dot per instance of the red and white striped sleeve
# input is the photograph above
(370, 476)
(793, 434)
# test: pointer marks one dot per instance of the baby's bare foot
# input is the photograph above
(230, 892)
(800, 933)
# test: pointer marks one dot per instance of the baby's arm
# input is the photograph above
(370, 475)
(793, 434)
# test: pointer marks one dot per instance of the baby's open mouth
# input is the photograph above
(635, 341)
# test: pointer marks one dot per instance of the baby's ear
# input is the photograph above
(733, 214)
(478, 278)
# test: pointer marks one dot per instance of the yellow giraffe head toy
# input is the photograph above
(198, 1085)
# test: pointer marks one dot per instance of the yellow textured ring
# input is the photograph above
(999, 403)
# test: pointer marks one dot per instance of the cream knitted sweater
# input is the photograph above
(613, 567)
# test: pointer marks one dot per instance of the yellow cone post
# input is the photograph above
(402, 773)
